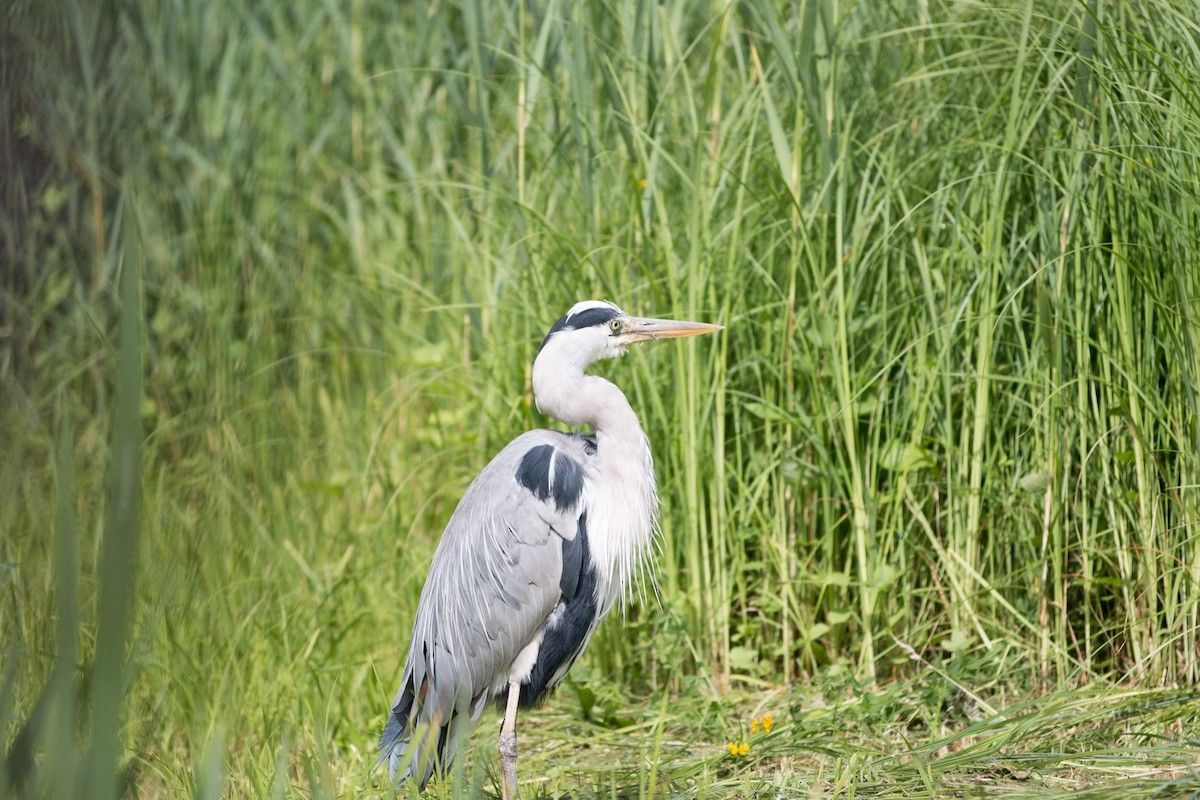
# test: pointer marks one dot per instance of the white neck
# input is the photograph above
(622, 498)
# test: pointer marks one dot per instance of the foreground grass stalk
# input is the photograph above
(62, 687)
(118, 562)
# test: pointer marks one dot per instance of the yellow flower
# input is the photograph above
(754, 725)
(642, 183)
(737, 749)
(768, 723)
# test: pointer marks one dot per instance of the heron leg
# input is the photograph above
(508, 744)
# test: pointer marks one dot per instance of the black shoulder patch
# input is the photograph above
(534, 470)
(564, 640)
(584, 319)
(550, 473)
(568, 481)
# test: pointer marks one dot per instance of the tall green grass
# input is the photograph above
(953, 413)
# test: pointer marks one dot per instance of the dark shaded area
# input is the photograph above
(567, 636)
(584, 319)
(549, 473)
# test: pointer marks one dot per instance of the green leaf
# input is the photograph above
(955, 642)
(1034, 482)
(838, 617)
(817, 630)
(866, 404)
(832, 579)
(883, 576)
(770, 413)
(900, 457)
(585, 696)
(743, 659)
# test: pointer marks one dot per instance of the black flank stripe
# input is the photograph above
(565, 641)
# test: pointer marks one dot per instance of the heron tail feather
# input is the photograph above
(396, 739)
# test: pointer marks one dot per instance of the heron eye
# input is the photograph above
(615, 326)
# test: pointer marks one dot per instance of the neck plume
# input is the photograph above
(623, 499)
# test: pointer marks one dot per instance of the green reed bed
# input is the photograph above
(274, 275)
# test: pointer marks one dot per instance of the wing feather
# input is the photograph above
(496, 577)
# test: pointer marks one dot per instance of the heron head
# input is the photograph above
(590, 331)
(596, 329)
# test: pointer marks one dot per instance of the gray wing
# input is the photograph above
(496, 576)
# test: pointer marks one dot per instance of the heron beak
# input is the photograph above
(642, 329)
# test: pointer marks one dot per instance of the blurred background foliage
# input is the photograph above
(954, 412)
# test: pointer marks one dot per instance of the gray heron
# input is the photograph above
(541, 546)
